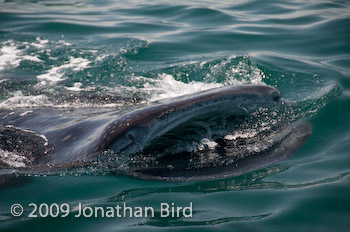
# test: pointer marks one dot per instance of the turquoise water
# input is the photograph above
(83, 54)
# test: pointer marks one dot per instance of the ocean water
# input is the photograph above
(115, 54)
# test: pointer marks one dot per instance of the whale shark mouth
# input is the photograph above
(217, 146)
(244, 151)
(213, 134)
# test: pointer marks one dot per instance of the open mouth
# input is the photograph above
(217, 146)
(213, 134)
(228, 159)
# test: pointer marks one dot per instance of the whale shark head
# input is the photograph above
(212, 134)
(134, 130)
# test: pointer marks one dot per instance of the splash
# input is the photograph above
(57, 74)
(12, 55)
(167, 87)
(19, 100)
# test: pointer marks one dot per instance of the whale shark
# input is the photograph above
(47, 139)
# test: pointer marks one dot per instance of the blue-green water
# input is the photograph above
(77, 54)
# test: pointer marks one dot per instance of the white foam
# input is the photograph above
(65, 43)
(167, 87)
(101, 57)
(11, 56)
(164, 87)
(56, 74)
(207, 144)
(32, 58)
(19, 100)
(41, 43)
(76, 87)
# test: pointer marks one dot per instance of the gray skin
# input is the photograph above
(131, 132)
(80, 135)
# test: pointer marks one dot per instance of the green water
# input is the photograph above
(89, 53)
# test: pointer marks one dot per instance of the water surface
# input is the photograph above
(83, 54)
